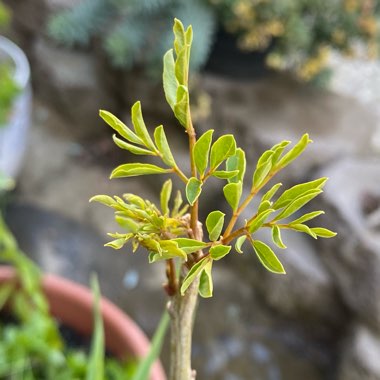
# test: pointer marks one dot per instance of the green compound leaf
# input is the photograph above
(232, 192)
(181, 108)
(132, 148)
(268, 257)
(163, 146)
(165, 195)
(193, 190)
(296, 191)
(214, 224)
(295, 151)
(223, 148)
(323, 232)
(276, 237)
(136, 169)
(306, 217)
(303, 228)
(237, 162)
(193, 273)
(170, 82)
(140, 127)
(239, 242)
(217, 252)
(202, 151)
(298, 203)
(259, 220)
(264, 165)
(120, 127)
(224, 174)
(190, 245)
(271, 192)
(205, 282)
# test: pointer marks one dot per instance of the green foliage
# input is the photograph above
(177, 236)
(31, 346)
(5, 15)
(298, 34)
(9, 89)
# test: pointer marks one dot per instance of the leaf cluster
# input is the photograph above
(170, 233)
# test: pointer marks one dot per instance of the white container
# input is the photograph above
(13, 135)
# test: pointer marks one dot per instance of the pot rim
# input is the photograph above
(22, 68)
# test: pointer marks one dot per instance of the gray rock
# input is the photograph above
(353, 257)
(264, 112)
(71, 81)
(361, 353)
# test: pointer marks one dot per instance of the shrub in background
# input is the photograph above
(298, 33)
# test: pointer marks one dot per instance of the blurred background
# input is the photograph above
(265, 70)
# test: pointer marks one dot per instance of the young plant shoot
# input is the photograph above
(172, 232)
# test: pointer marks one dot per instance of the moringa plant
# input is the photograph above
(172, 232)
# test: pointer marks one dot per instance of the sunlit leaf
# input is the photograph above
(306, 217)
(264, 205)
(264, 165)
(323, 232)
(259, 220)
(303, 228)
(217, 252)
(202, 151)
(239, 242)
(163, 146)
(181, 108)
(165, 196)
(267, 257)
(120, 127)
(232, 192)
(205, 281)
(190, 245)
(276, 237)
(294, 192)
(136, 169)
(223, 147)
(193, 190)
(214, 224)
(295, 151)
(224, 174)
(193, 273)
(170, 82)
(140, 127)
(131, 148)
(237, 162)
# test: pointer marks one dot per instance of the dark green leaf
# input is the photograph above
(202, 150)
(205, 281)
(120, 127)
(166, 192)
(276, 237)
(214, 224)
(237, 162)
(268, 257)
(140, 127)
(163, 146)
(132, 148)
(232, 192)
(136, 169)
(239, 242)
(170, 82)
(296, 191)
(223, 148)
(193, 273)
(259, 220)
(217, 252)
(193, 190)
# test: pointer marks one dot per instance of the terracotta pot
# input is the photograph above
(72, 304)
